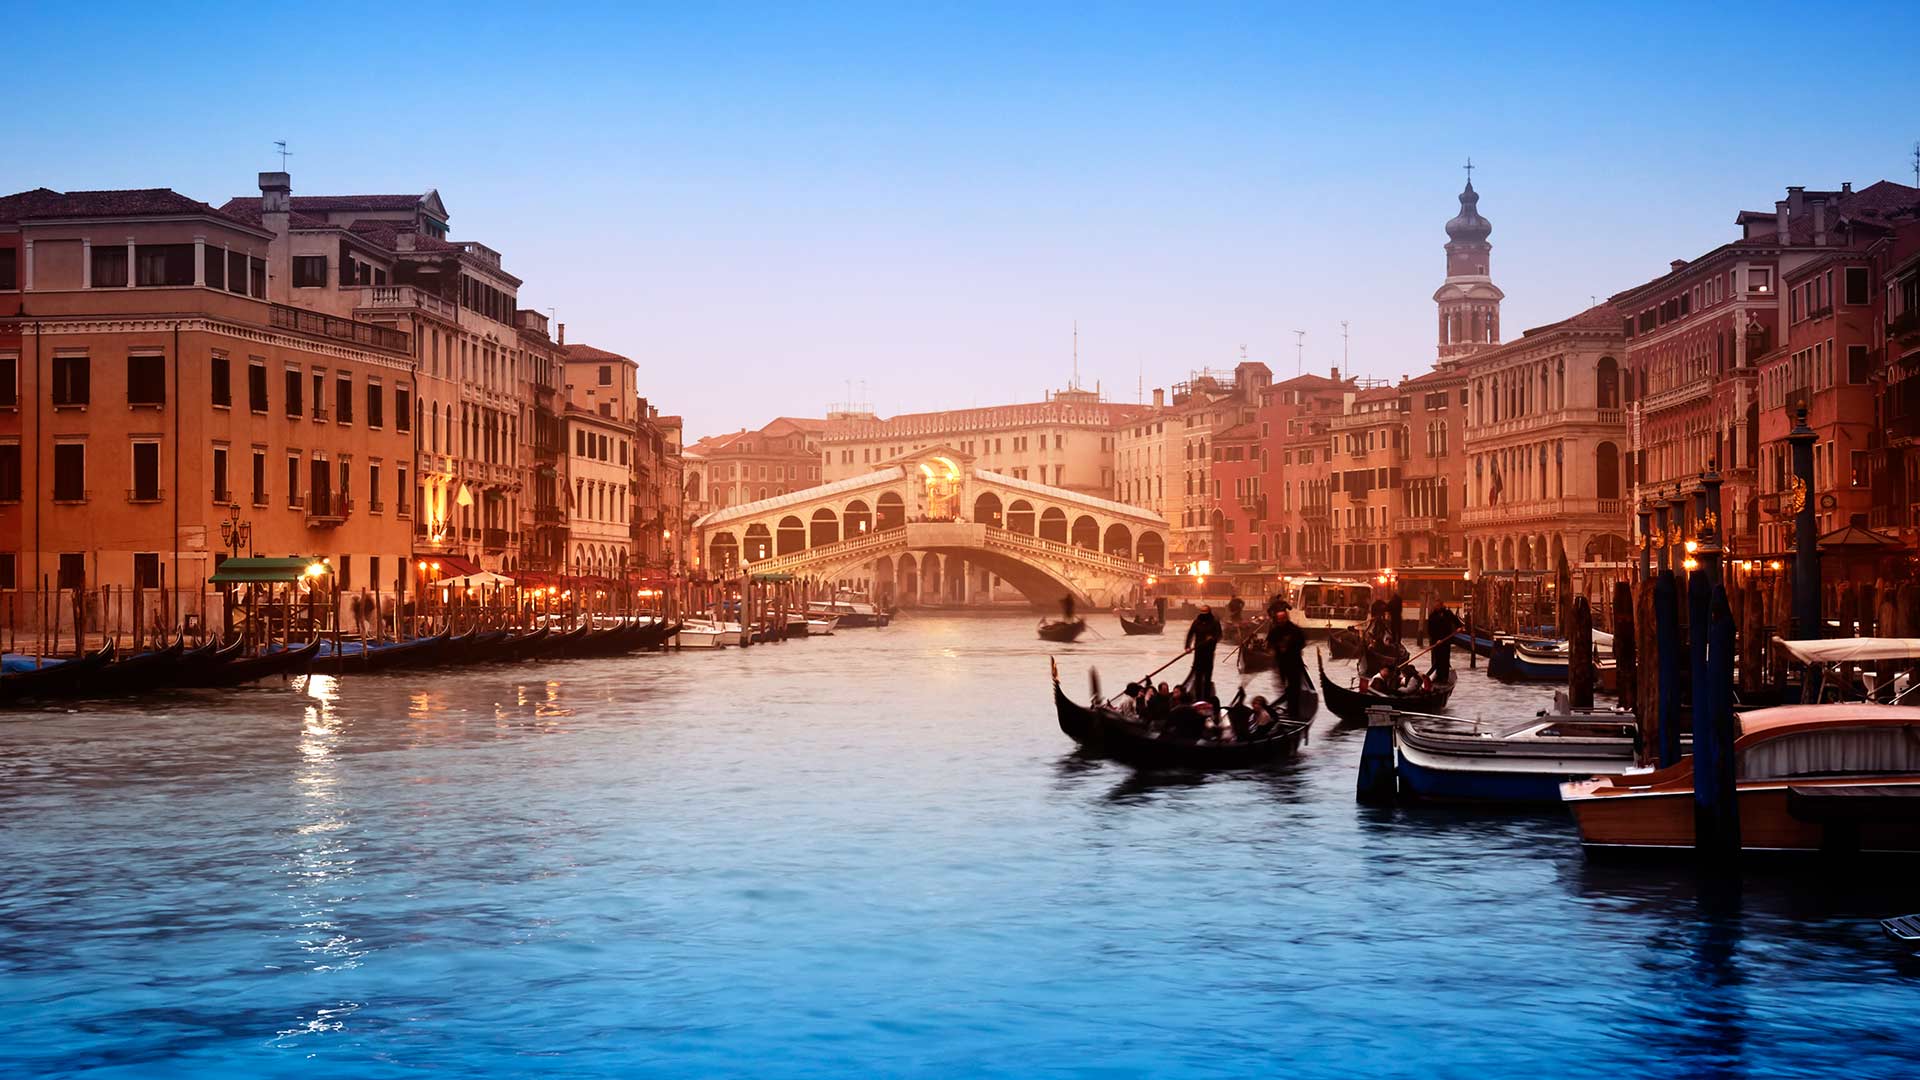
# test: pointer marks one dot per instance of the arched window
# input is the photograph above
(1606, 471)
(1607, 384)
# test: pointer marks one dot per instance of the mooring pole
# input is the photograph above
(1666, 622)
(1806, 541)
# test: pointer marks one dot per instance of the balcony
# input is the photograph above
(1619, 511)
(146, 495)
(282, 317)
(1417, 525)
(1904, 329)
(549, 515)
(495, 539)
(403, 298)
(327, 509)
(1678, 395)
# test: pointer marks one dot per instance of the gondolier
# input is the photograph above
(1442, 624)
(1203, 634)
(1286, 641)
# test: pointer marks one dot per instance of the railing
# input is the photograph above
(1425, 524)
(319, 412)
(312, 322)
(1678, 395)
(146, 495)
(548, 515)
(403, 298)
(495, 539)
(326, 509)
(375, 506)
(1538, 509)
(1611, 416)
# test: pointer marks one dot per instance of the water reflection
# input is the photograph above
(320, 867)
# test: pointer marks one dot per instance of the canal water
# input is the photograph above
(870, 855)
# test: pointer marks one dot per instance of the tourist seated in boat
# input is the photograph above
(1128, 703)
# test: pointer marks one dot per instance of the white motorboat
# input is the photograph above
(695, 634)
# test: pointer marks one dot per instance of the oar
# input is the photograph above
(1149, 675)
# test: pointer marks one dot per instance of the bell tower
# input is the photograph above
(1469, 301)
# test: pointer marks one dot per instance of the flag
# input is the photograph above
(1494, 489)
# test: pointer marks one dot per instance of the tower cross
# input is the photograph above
(1469, 167)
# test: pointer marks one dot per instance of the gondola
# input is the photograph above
(137, 674)
(1142, 626)
(1347, 643)
(522, 645)
(1112, 736)
(1062, 630)
(1254, 656)
(246, 669)
(558, 642)
(656, 635)
(61, 679)
(196, 665)
(483, 647)
(1351, 705)
(391, 656)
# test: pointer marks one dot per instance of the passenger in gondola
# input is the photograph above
(1287, 642)
(1128, 703)
(1066, 607)
(1236, 607)
(1442, 624)
(1202, 636)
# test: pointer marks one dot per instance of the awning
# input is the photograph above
(450, 565)
(261, 569)
(1848, 650)
(485, 578)
(773, 578)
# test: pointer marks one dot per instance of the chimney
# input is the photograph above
(1780, 221)
(1846, 187)
(1159, 398)
(1677, 265)
(562, 340)
(1820, 222)
(1334, 373)
(276, 202)
(1796, 197)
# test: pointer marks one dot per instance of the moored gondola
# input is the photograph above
(558, 643)
(1254, 656)
(137, 673)
(195, 665)
(1351, 705)
(245, 669)
(1062, 630)
(57, 679)
(522, 645)
(1142, 626)
(1110, 735)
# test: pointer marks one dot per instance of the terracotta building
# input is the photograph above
(1367, 448)
(747, 466)
(1433, 472)
(1896, 477)
(1271, 473)
(159, 388)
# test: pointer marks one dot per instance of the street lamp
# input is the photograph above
(234, 533)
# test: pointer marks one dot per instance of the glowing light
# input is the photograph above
(316, 569)
(1202, 579)
(666, 534)
(1774, 565)
(1382, 579)
(1693, 546)
(1466, 575)
(423, 566)
(1151, 580)
(1690, 563)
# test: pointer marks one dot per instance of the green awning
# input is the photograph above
(774, 578)
(260, 570)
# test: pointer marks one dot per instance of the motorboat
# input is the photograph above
(1322, 605)
(1883, 666)
(822, 627)
(1453, 759)
(706, 634)
(1843, 776)
(853, 614)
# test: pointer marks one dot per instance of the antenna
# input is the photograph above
(1076, 354)
(280, 147)
(1344, 364)
(1299, 351)
(1916, 164)
(1243, 352)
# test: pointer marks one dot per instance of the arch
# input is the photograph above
(1506, 554)
(1606, 471)
(1118, 541)
(986, 509)
(1606, 378)
(1559, 550)
(907, 578)
(856, 518)
(1152, 549)
(1086, 532)
(1020, 517)
(791, 536)
(932, 578)
(758, 543)
(1476, 558)
(824, 528)
(1053, 525)
(889, 511)
(883, 589)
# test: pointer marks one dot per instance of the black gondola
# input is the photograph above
(1062, 630)
(1351, 705)
(557, 643)
(1113, 736)
(195, 665)
(246, 669)
(1254, 656)
(522, 645)
(56, 680)
(1347, 643)
(137, 674)
(1142, 626)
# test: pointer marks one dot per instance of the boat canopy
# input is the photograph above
(1848, 650)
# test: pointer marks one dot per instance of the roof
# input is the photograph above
(1117, 509)
(45, 204)
(1788, 717)
(1845, 650)
(1601, 316)
(1237, 432)
(1437, 375)
(585, 353)
(1857, 536)
(329, 203)
(877, 478)
(260, 569)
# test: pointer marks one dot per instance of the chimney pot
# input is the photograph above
(1846, 187)
(563, 334)
(1820, 222)
(1780, 212)
(276, 193)
(1159, 398)
(1677, 264)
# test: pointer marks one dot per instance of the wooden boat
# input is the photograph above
(822, 627)
(195, 665)
(1511, 663)
(137, 673)
(1347, 643)
(1450, 759)
(1110, 735)
(1254, 655)
(697, 634)
(522, 645)
(854, 614)
(55, 678)
(557, 643)
(1351, 705)
(1062, 630)
(1843, 776)
(1142, 626)
(1480, 643)
(275, 661)
(388, 656)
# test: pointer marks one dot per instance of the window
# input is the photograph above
(319, 395)
(9, 272)
(606, 375)
(9, 472)
(1759, 279)
(70, 472)
(257, 277)
(376, 406)
(73, 570)
(373, 487)
(259, 477)
(72, 379)
(1855, 284)
(146, 380)
(1860, 468)
(110, 267)
(146, 569)
(236, 273)
(9, 570)
(221, 492)
(146, 473)
(163, 264)
(1857, 364)
(216, 269)
(343, 398)
(257, 386)
(220, 377)
(309, 271)
(293, 393)
(9, 381)
(293, 480)
(400, 492)
(402, 409)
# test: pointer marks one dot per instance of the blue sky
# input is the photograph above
(761, 203)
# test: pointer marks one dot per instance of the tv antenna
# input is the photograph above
(1916, 164)
(1076, 355)
(1344, 362)
(1299, 351)
(280, 147)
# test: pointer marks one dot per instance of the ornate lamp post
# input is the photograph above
(235, 533)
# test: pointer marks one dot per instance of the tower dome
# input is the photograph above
(1468, 225)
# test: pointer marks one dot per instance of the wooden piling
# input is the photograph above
(1580, 672)
(1626, 678)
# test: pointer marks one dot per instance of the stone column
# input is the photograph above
(1806, 541)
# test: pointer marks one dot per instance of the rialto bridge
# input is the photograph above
(928, 527)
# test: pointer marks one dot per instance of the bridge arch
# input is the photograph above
(1053, 525)
(1020, 517)
(759, 543)
(825, 527)
(1086, 532)
(1153, 549)
(1118, 541)
(986, 510)
(890, 511)
(792, 536)
(856, 518)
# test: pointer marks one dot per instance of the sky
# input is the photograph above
(773, 207)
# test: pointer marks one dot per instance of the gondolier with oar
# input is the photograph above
(1287, 642)
(1202, 636)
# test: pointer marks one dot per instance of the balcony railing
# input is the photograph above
(375, 506)
(1543, 509)
(403, 298)
(495, 539)
(312, 322)
(327, 509)
(548, 515)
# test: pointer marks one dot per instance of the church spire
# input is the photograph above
(1469, 301)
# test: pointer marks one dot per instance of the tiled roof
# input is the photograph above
(45, 204)
(588, 352)
(325, 204)
(387, 234)
(1309, 382)
(1435, 376)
